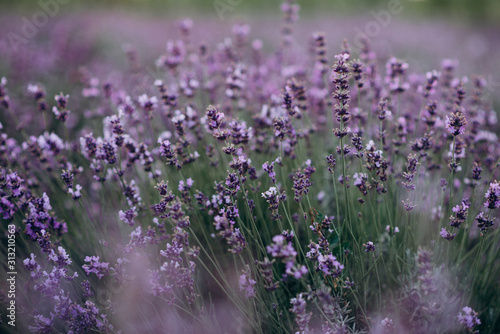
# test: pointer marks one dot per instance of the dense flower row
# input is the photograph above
(241, 164)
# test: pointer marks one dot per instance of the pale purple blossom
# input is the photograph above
(493, 196)
(75, 192)
(128, 216)
(100, 269)
(369, 247)
(446, 234)
(329, 265)
(247, 284)
(468, 318)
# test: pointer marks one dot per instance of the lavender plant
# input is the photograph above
(225, 191)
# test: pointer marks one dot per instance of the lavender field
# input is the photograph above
(284, 172)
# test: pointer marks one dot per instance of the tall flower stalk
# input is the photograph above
(455, 124)
(341, 95)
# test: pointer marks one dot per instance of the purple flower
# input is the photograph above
(283, 248)
(167, 151)
(455, 123)
(408, 205)
(148, 103)
(388, 229)
(32, 266)
(41, 219)
(14, 184)
(180, 275)
(280, 124)
(132, 193)
(461, 211)
(329, 265)
(330, 160)
(313, 253)
(61, 100)
(67, 177)
(88, 145)
(117, 128)
(173, 251)
(101, 269)
(476, 171)
(484, 223)
(394, 76)
(431, 82)
(382, 110)
(369, 247)
(43, 325)
(176, 52)
(446, 235)
(137, 239)
(36, 91)
(235, 81)
(50, 283)
(7, 208)
(279, 248)
(443, 183)
(493, 196)
(387, 324)
(185, 186)
(225, 224)
(233, 183)
(341, 76)
(158, 288)
(269, 168)
(299, 308)
(214, 118)
(295, 271)
(247, 284)
(87, 289)
(425, 271)
(4, 98)
(61, 258)
(360, 181)
(64, 303)
(75, 192)
(87, 319)
(468, 318)
(128, 216)
(266, 269)
(61, 111)
(273, 198)
(302, 182)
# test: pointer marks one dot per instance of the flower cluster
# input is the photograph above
(224, 223)
(445, 234)
(60, 111)
(273, 198)
(461, 211)
(484, 223)
(425, 271)
(493, 196)
(100, 269)
(247, 284)
(342, 74)
(469, 318)
(283, 249)
(302, 181)
(299, 308)
(455, 123)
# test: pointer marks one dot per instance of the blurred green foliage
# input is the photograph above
(466, 11)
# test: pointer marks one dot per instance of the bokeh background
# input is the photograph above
(423, 32)
(478, 11)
